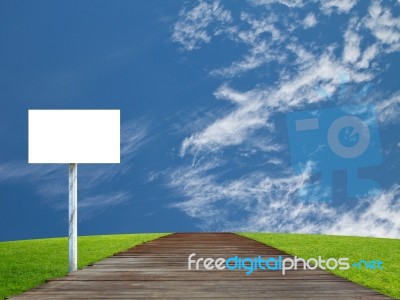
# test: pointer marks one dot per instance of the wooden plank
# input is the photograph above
(158, 270)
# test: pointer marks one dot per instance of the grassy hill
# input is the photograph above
(386, 281)
(26, 264)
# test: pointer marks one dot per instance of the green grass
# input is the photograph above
(26, 264)
(306, 246)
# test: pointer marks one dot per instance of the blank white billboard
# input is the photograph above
(74, 136)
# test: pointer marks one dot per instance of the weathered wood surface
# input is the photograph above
(158, 269)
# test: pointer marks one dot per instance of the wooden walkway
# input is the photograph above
(159, 269)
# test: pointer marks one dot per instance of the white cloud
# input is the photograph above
(254, 107)
(269, 204)
(266, 202)
(384, 26)
(208, 200)
(262, 38)
(304, 58)
(353, 54)
(275, 161)
(192, 29)
(309, 21)
(341, 6)
(388, 110)
(233, 128)
(288, 3)
(368, 55)
(301, 90)
(257, 56)
(134, 135)
(375, 216)
(351, 51)
(257, 28)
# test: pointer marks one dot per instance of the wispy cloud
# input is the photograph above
(340, 6)
(269, 204)
(91, 205)
(376, 216)
(232, 128)
(265, 200)
(368, 55)
(384, 26)
(388, 110)
(253, 108)
(258, 55)
(310, 21)
(13, 171)
(288, 3)
(192, 29)
(351, 51)
(262, 49)
(134, 135)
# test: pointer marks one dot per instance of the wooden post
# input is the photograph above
(73, 207)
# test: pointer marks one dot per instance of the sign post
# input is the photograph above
(96, 139)
(73, 220)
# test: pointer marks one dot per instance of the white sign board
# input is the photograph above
(74, 136)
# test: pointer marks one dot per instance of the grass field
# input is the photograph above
(26, 264)
(306, 246)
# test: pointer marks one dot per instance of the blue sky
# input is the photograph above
(209, 93)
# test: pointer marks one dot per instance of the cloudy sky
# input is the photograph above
(259, 115)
